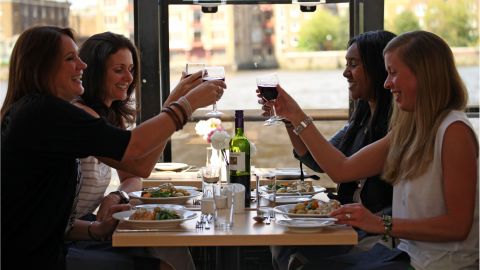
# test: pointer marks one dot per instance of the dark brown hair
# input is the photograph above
(34, 58)
(95, 52)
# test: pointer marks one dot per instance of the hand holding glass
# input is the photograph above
(214, 73)
(267, 85)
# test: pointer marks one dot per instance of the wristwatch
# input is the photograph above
(302, 125)
(124, 198)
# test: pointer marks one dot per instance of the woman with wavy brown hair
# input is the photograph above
(110, 81)
(40, 124)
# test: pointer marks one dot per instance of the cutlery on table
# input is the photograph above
(153, 230)
(205, 219)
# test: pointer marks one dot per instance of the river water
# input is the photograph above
(326, 89)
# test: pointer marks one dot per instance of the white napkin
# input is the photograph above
(322, 196)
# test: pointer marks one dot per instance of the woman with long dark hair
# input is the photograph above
(365, 73)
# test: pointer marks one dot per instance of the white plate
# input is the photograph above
(165, 166)
(316, 190)
(186, 187)
(306, 225)
(163, 200)
(288, 199)
(168, 206)
(283, 209)
(288, 173)
(154, 224)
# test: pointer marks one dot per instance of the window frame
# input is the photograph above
(152, 40)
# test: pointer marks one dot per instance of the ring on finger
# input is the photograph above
(348, 215)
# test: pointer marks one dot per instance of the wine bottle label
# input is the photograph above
(237, 161)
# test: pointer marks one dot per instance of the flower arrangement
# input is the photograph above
(213, 132)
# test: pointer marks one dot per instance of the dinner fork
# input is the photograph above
(271, 214)
(205, 219)
(199, 224)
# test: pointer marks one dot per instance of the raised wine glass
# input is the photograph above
(267, 85)
(191, 68)
(214, 73)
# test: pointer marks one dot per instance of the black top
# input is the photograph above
(42, 137)
(376, 194)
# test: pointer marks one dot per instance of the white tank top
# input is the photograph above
(96, 178)
(422, 198)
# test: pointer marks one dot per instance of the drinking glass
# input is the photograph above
(191, 68)
(267, 85)
(210, 176)
(224, 205)
(214, 73)
(272, 181)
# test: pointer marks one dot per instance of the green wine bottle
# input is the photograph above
(240, 157)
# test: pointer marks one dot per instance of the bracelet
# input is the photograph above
(387, 224)
(90, 232)
(174, 116)
(182, 110)
(187, 105)
(303, 125)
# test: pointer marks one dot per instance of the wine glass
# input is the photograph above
(267, 85)
(214, 73)
(191, 68)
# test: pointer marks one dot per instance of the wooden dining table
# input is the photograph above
(226, 249)
(245, 232)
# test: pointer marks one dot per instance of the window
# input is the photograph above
(272, 38)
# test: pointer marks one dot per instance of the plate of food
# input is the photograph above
(186, 187)
(306, 225)
(155, 218)
(154, 205)
(288, 199)
(170, 166)
(293, 188)
(312, 208)
(165, 193)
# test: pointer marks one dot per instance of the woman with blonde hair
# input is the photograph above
(430, 155)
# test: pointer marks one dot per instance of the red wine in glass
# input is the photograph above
(267, 86)
(268, 92)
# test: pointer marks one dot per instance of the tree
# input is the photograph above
(322, 32)
(453, 21)
(405, 22)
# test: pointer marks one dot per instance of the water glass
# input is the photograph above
(272, 181)
(211, 174)
(224, 206)
(206, 204)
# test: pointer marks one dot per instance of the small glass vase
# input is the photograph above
(215, 157)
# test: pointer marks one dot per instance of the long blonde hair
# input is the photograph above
(439, 91)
